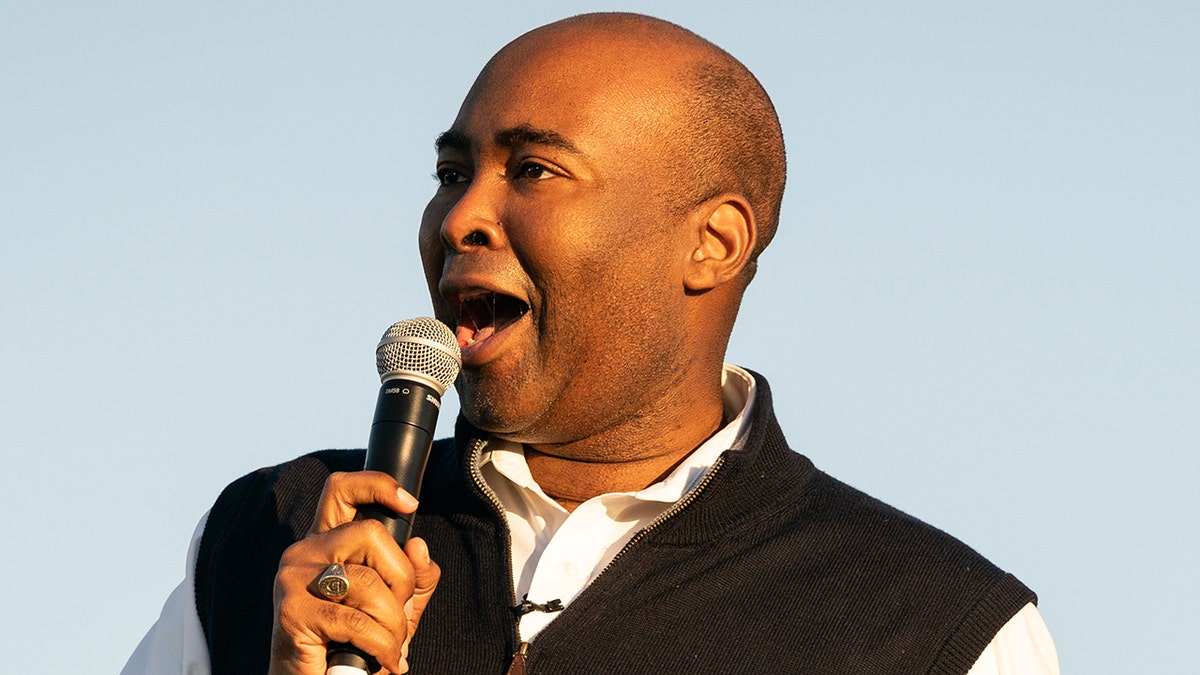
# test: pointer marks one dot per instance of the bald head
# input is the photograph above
(716, 125)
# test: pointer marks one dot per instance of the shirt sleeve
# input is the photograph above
(1022, 647)
(175, 644)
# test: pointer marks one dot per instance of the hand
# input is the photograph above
(389, 587)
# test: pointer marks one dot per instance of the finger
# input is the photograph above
(361, 542)
(369, 594)
(345, 492)
(426, 575)
(306, 625)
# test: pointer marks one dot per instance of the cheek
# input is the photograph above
(593, 238)
(429, 242)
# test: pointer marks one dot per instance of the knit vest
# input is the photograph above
(774, 567)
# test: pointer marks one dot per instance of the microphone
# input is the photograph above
(417, 359)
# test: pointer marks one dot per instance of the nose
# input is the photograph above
(473, 222)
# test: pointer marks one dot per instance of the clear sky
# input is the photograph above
(982, 305)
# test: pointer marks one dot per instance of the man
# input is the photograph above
(615, 498)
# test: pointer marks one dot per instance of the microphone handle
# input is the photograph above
(401, 436)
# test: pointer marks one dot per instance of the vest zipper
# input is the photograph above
(666, 515)
(515, 668)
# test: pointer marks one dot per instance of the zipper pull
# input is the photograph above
(517, 667)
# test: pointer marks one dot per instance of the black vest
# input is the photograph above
(775, 567)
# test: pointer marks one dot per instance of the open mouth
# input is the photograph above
(482, 315)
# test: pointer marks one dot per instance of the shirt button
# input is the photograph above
(570, 569)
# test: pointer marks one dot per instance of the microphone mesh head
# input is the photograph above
(423, 349)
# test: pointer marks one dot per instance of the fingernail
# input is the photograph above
(406, 499)
(403, 664)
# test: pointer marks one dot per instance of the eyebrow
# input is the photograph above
(527, 135)
(523, 134)
(452, 140)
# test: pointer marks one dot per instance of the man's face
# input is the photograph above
(550, 246)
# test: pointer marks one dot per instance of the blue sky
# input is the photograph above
(981, 305)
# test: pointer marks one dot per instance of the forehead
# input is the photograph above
(581, 87)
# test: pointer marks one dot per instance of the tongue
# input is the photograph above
(464, 335)
(467, 336)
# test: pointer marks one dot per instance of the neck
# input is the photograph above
(626, 458)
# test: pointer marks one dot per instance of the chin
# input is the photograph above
(487, 409)
(502, 419)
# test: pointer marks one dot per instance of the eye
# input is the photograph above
(449, 176)
(533, 171)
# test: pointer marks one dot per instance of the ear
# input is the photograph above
(724, 243)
